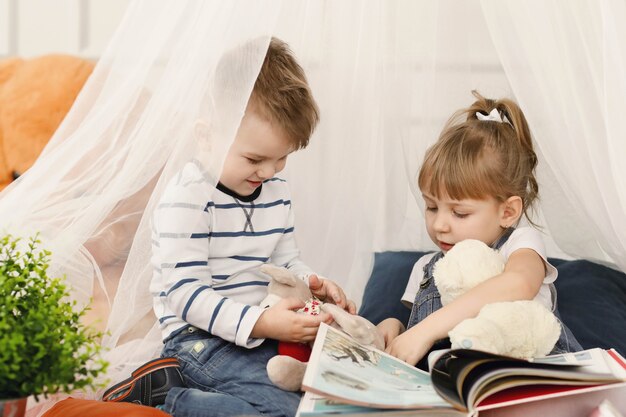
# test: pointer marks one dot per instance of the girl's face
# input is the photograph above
(450, 221)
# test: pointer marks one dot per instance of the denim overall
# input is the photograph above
(428, 300)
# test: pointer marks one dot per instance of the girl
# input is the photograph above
(477, 182)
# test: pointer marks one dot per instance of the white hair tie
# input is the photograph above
(493, 116)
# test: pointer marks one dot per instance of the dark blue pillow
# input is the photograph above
(386, 285)
(592, 301)
(591, 297)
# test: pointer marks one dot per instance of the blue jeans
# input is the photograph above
(224, 379)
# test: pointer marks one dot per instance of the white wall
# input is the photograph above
(79, 27)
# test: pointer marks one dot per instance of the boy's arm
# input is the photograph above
(522, 277)
(282, 322)
(287, 254)
(181, 229)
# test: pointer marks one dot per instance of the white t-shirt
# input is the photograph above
(522, 237)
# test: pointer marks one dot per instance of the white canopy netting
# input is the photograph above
(386, 75)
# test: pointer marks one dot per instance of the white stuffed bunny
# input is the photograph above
(521, 329)
(285, 371)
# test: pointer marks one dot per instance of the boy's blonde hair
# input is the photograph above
(282, 95)
(478, 159)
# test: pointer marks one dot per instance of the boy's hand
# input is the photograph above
(410, 346)
(390, 329)
(281, 322)
(329, 292)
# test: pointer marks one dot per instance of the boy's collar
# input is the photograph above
(245, 198)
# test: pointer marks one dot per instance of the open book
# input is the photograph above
(344, 377)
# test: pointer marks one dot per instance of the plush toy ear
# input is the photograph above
(361, 329)
(510, 211)
(279, 274)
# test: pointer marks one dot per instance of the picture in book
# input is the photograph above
(341, 368)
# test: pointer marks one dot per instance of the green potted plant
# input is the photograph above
(44, 347)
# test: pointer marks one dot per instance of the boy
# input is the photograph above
(208, 244)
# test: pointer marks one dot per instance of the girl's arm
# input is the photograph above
(390, 329)
(523, 275)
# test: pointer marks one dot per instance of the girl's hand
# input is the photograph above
(410, 346)
(282, 322)
(329, 292)
(390, 329)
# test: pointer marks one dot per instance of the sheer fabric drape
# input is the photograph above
(91, 194)
(386, 75)
(573, 90)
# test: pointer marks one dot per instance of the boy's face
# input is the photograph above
(258, 152)
(451, 221)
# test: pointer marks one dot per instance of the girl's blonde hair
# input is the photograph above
(478, 159)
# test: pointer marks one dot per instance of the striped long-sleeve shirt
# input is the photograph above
(208, 244)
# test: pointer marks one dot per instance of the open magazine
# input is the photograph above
(346, 378)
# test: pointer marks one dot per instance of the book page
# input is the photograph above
(341, 368)
(590, 361)
(546, 376)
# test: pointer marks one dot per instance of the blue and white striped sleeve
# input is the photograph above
(286, 252)
(182, 232)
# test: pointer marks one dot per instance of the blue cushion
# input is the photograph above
(592, 301)
(591, 297)
(386, 285)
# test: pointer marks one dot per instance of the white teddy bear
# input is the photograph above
(522, 329)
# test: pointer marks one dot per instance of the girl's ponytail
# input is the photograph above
(516, 117)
